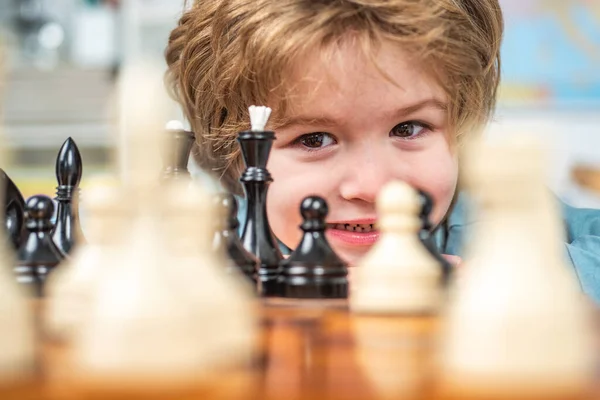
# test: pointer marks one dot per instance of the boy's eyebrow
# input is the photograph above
(326, 121)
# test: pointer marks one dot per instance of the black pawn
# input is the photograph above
(69, 169)
(314, 270)
(176, 154)
(257, 236)
(38, 255)
(427, 238)
(14, 210)
(227, 239)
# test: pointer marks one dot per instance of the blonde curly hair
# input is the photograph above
(225, 55)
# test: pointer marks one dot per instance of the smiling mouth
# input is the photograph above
(357, 228)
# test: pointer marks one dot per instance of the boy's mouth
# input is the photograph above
(353, 233)
(358, 228)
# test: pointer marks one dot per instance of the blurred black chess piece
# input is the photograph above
(314, 270)
(426, 236)
(14, 210)
(227, 239)
(176, 152)
(257, 236)
(38, 255)
(69, 169)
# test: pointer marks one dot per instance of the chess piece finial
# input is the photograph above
(227, 239)
(425, 234)
(257, 236)
(259, 116)
(69, 169)
(37, 256)
(314, 270)
(176, 151)
(398, 274)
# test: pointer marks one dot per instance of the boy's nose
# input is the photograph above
(365, 176)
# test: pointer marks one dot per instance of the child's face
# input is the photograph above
(351, 132)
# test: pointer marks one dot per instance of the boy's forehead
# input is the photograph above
(347, 76)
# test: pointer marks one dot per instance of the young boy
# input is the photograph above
(363, 92)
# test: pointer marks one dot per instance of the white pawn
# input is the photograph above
(224, 307)
(518, 323)
(398, 275)
(140, 332)
(70, 292)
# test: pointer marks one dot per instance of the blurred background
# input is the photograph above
(63, 58)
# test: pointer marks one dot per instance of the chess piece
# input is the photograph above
(398, 274)
(227, 239)
(14, 210)
(517, 322)
(177, 151)
(313, 270)
(150, 330)
(221, 297)
(425, 234)
(70, 290)
(17, 334)
(257, 236)
(69, 169)
(37, 256)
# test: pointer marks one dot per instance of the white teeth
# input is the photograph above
(362, 228)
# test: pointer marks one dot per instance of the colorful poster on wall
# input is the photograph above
(551, 53)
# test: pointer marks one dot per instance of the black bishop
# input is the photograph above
(314, 270)
(69, 169)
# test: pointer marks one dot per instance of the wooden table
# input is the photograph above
(309, 350)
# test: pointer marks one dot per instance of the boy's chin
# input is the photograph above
(352, 256)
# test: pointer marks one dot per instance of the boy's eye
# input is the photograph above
(316, 140)
(407, 130)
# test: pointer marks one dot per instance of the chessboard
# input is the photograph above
(309, 349)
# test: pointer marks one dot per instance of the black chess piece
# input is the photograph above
(176, 154)
(38, 255)
(314, 270)
(14, 210)
(69, 169)
(227, 239)
(257, 236)
(425, 234)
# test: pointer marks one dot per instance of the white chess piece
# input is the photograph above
(70, 291)
(223, 302)
(140, 332)
(398, 275)
(17, 335)
(517, 321)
